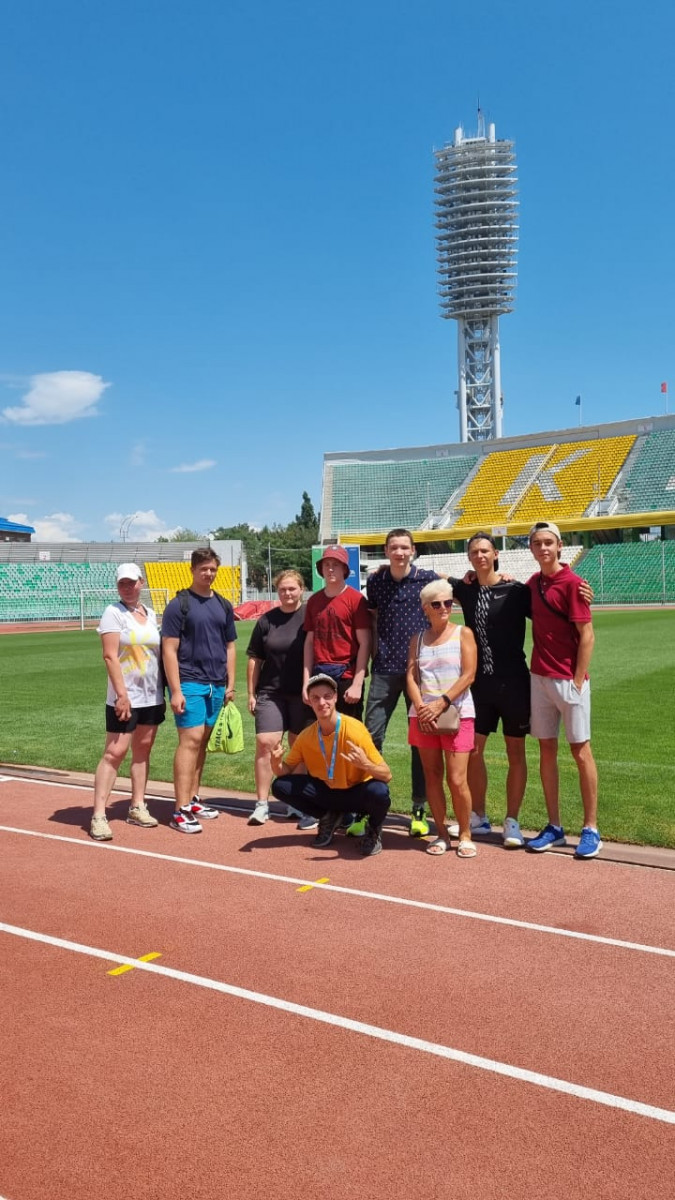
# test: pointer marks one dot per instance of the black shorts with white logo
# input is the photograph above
(507, 700)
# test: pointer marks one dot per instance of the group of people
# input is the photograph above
(307, 666)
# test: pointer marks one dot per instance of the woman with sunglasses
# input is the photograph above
(441, 668)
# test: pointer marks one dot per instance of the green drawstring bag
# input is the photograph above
(227, 736)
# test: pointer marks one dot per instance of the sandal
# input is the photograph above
(466, 849)
(438, 846)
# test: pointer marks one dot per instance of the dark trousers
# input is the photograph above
(383, 696)
(314, 797)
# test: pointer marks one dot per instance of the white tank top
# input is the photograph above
(440, 668)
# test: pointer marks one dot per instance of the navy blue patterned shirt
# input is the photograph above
(399, 616)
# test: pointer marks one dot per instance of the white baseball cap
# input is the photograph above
(545, 526)
(129, 571)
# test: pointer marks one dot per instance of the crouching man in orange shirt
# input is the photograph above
(345, 772)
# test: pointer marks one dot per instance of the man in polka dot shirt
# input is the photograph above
(393, 595)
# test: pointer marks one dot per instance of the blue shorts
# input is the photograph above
(203, 702)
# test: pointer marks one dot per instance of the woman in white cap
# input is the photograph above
(135, 703)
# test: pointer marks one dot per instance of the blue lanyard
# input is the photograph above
(330, 769)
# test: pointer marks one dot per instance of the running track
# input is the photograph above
(413, 1027)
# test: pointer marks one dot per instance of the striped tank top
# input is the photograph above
(440, 668)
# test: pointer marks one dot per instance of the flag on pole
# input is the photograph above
(664, 387)
(578, 401)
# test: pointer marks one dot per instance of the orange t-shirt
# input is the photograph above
(307, 749)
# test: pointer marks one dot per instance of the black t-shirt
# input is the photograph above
(278, 639)
(496, 615)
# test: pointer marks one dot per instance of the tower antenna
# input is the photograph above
(476, 243)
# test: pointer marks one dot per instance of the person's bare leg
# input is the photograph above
(262, 767)
(116, 747)
(588, 781)
(477, 775)
(185, 763)
(201, 757)
(142, 740)
(516, 779)
(456, 766)
(548, 771)
(432, 765)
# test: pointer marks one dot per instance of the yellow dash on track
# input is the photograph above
(128, 967)
(307, 887)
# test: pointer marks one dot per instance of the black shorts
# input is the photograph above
(505, 699)
(139, 716)
(279, 712)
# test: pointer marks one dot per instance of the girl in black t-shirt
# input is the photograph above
(274, 678)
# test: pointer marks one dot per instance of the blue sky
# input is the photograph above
(217, 242)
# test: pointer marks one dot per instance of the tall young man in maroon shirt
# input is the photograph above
(562, 633)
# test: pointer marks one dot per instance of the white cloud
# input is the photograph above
(59, 527)
(56, 397)
(145, 527)
(203, 464)
(30, 454)
(138, 455)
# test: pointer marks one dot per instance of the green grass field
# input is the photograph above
(53, 693)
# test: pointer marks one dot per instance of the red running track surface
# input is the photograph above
(148, 1084)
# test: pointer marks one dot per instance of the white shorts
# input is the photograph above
(555, 698)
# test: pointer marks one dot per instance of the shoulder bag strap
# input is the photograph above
(563, 616)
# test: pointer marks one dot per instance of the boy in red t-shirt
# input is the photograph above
(562, 633)
(337, 633)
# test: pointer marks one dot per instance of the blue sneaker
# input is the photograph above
(552, 835)
(589, 843)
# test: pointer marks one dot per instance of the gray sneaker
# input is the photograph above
(327, 826)
(372, 841)
(138, 815)
(260, 813)
(307, 822)
(100, 830)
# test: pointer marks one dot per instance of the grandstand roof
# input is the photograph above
(12, 527)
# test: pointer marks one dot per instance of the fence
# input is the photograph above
(83, 608)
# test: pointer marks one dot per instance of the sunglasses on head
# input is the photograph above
(438, 604)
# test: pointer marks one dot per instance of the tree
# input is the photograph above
(307, 517)
(281, 546)
(183, 535)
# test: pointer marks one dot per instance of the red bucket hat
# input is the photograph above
(337, 554)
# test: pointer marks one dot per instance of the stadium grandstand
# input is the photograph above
(610, 488)
(72, 582)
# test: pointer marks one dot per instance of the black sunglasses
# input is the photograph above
(440, 604)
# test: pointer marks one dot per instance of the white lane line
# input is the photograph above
(549, 1082)
(467, 914)
(83, 787)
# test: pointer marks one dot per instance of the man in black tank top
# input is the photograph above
(496, 611)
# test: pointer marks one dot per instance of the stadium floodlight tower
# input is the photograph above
(477, 220)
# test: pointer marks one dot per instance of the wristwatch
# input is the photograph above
(447, 700)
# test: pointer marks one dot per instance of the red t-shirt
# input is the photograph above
(554, 653)
(334, 620)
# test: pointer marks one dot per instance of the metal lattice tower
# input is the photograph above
(477, 220)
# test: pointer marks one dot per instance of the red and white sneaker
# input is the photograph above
(184, 822)
(203, 812)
